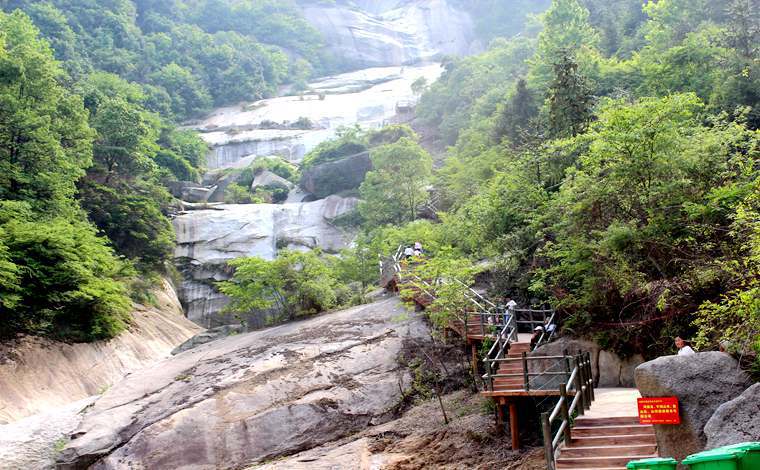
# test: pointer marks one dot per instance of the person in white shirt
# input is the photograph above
(683, 348)
(408, 252)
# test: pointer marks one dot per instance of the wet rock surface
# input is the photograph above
(735, 421)
(253, 397)
(366, 97)
(702, 383)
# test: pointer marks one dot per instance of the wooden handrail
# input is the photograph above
(583, 394)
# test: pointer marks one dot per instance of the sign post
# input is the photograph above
(662, 410)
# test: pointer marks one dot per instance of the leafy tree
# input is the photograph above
(132, 219)
(515, 116)
(67, 283)
(570, 99)
(292, 285)
(45, 142)
(349, 141)
(624, 229)
(188, 96)
(394, 190)
(474, 85)
(566, 30)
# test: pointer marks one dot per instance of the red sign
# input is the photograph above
(659, 411)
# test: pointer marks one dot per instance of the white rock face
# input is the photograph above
(253, 397)
(393, 32)
(207, 240)
(367, 97)
(38, 375)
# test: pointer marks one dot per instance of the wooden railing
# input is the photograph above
(575, 395)
(529, 373)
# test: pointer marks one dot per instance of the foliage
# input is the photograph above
(188, 55)
(735, 318)
(394, 190)
(473, 84)
(349, 141)
(66, 283)
(442, 271)
(58, 277)
(292, 285)
(570, 99)
(45, 142)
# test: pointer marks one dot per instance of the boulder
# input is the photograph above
(735, 421)
(222, 184)
(702, 382)
(177, 188)
(334, 177)
(197, 194)
(267, 179)
(255, 396)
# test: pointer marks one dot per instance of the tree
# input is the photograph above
(566, 30)
(394, 190)
(45, 142)
(644, 219)
(570, 99)
(515, 116)
(126, 141)
(189, 97)
(292, 285)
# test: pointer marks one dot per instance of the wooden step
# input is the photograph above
(582, 431)
(610, 450)
(620, 440)
(615, 421)
(599, 462)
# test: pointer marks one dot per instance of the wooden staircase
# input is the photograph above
(516, 383)
(607, 444)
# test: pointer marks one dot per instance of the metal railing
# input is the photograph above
(575, 395)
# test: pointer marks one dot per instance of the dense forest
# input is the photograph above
(91, 94)
(604, 161)
(616, 153)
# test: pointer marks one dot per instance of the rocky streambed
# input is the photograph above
(254, 397)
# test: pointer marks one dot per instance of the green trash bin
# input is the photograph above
(749, 459)
(653, 464)
(716, 459)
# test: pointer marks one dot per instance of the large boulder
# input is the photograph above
(608, 368)
(267, 179)
(702, 382)
(334, 177)
(254, 397)
(735, 421)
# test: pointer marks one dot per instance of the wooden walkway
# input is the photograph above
(609, 435)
